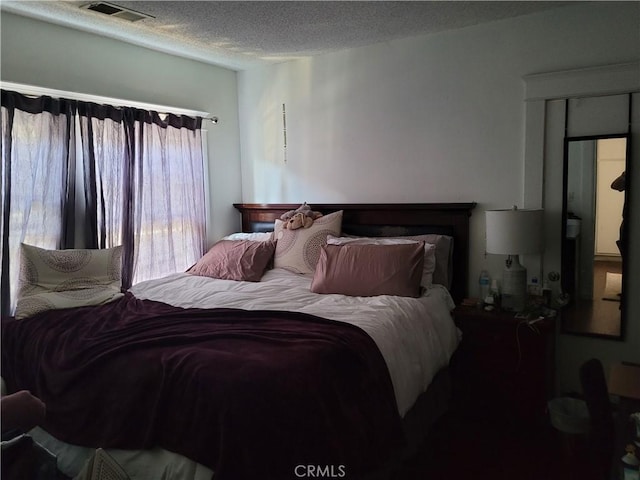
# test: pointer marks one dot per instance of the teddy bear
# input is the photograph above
(301, 217)
(299, 220)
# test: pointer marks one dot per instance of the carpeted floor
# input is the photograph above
(612, 286)
(463, 448)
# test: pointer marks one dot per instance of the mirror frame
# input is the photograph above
(625, 232)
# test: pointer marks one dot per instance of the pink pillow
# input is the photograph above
(369, 270)
(241, 260)
(429, 251)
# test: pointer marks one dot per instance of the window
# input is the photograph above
(141, 184)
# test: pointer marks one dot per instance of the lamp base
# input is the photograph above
(514, 285)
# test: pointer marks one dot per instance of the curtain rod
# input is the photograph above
(118, 102)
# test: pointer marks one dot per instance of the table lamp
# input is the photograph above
(514, 232)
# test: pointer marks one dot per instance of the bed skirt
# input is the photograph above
(417, 423)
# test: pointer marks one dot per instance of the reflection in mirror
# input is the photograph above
(593, 233)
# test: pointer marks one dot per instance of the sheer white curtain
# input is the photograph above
(170, 215)
(36, 169)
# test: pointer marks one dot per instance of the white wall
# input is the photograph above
(47, 55)
(432, 118)
(427, 119)
(611, 163)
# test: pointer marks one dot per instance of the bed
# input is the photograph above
(327, 382)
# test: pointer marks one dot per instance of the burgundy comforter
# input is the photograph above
(251, 394)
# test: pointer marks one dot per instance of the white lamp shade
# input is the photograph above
(514, 232)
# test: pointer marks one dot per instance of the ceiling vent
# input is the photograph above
(114, 10)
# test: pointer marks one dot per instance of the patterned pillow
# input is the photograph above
(298, 250)
(54, 279)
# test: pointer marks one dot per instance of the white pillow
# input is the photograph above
(253, 236)
(299, 250)
(54, 279)
(429, 251)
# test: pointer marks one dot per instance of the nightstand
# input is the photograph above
(503, 369)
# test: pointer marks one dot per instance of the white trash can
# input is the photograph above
(570, 417)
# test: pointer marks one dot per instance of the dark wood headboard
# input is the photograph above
(385, 219)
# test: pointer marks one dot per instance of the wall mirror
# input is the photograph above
(594, 235)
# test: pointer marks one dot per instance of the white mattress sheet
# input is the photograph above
(415, 336)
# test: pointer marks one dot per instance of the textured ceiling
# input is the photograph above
(240, 35)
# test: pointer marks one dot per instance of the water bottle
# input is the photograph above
(485, 284)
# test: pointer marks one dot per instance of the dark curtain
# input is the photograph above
(103, 142)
